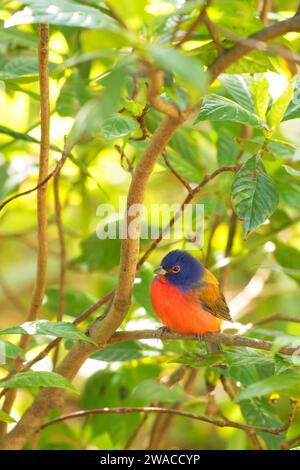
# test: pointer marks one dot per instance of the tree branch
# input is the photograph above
(62, 255)
(214, 338)
(194, 25)
(267, 34)
(169, 411)
(42, 224)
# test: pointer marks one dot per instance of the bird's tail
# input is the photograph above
(212, 348)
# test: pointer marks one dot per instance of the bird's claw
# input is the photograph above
(161, 331)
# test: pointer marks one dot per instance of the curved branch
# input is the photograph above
(169, 411)
(214, 338)
(267, 34)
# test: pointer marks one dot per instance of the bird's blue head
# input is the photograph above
(181, 269)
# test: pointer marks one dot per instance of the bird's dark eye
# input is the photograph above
(176, 269)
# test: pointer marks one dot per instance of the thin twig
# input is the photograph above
(194, 25)
(255, 41)
(289, 444)
(262, 46)
(157, 427)
(213, 34)
(142, 122)
(156, 83)
(175, 173)
(264, 14)
(272, 318)
(62, 256)
(42, 183)
(184, 414)
(42, 224)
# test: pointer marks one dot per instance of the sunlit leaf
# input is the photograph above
(260, 91)
(218, 108)
(36, 379)
(239, 90)
(10, 350)
(276, 113)
(292, 171)
(4, 417)
(90, 119)
(254, 197)
(277, 383)
(118, 126)
(62, 12)
(45, 327)
(127, 351)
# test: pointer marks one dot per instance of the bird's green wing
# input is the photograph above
(210, 296)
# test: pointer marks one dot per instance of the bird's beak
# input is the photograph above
(160, 270)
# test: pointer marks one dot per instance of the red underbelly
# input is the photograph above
(180, 311)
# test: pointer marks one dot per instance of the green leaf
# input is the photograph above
(6, 418)
(258, 412)
(254, 197)
(260, 92)
(118, 126)
(227, 148)
(94, 251)
(45, 327)
(18, 135)
(289, 258)
(218, 108)
(154, 391)
(25, 69)
(128, 351)
(72, 96)
(76, 301)
(189, 69)
(90, 119)
(107, 388)
(141, 288)
(14, 38)
(293, 109)
(276, 113)
(37, 379)
(253, 62)
(277, 383)
(10, 350)
(292, 171)
(62, 12)
(239, 90)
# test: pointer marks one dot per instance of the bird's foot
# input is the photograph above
(161, 331)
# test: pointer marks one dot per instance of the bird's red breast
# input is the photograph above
(181, 311)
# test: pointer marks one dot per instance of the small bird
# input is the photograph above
(186, 297)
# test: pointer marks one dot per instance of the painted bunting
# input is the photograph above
(186, 297)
